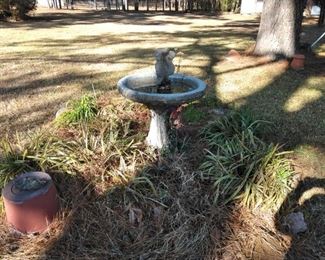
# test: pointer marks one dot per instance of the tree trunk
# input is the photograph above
(280, 27)
(136, 5)
(108, 4)
(322, 13)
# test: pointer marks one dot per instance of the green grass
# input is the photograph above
(12, 162)
(78, 111)
(192, 114)
(243, 167)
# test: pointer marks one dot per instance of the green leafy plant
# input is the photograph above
(12, 161)
(242, 166)
(210, 101)
(192, 114)
(39, 151)
(232, 127)
(81, 110)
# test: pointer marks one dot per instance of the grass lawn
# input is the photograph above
(59, 56)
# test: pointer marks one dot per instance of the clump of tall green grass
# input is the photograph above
(12, 161)
(81, 110)
(38, 151)
(242, 166)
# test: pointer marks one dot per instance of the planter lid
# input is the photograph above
(27, 186)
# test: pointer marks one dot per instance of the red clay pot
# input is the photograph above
(32, 210)
(233, 55)
(298, 61)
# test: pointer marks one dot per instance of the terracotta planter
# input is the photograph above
(30, 202)
(233, 55)
(298, 61)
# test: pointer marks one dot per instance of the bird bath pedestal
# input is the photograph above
(158, 131)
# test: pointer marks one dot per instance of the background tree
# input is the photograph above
(280, 28)
(18, 9)
(321, 19)
(4, 8)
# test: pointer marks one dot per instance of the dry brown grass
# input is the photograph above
(58, 56)
(44, 63)
(175, 220)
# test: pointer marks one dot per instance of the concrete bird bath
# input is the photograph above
(161, 91)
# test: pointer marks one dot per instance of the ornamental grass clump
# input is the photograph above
(39, 151)
(241, 166)
(78, 111)
(105, 150)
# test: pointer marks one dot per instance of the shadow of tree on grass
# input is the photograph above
(309, 199)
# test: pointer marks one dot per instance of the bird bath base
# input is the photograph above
(159, 126)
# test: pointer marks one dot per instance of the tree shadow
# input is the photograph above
(28, 116)
(308, 198)
(58, 19)
(294, 102)
(298, 104)
(112, 66)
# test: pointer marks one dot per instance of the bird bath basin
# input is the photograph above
(161, 91)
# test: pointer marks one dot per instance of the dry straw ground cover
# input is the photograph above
(122, 200)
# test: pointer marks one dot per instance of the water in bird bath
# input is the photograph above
(167, 89)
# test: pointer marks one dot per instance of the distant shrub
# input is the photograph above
(17, 9)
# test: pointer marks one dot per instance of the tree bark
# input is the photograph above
(280, 28)
(322, 13)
